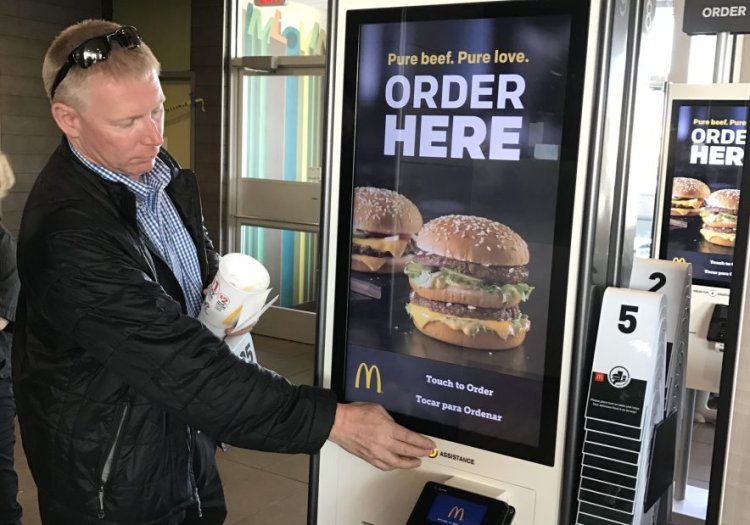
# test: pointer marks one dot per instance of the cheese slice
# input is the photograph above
(687, 203)
(731, 237)
(504, 329)
(373, 263)
(397, 247)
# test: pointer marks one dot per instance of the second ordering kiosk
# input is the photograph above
(480, 110)
(704, 145)
(705, 142)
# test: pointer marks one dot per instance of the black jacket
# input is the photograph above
(109, 371)
(8, 297)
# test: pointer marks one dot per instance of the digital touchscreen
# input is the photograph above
(702, 192)
(459, 148)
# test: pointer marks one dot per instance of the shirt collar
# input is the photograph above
(153, 181)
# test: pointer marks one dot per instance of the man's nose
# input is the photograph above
(153, 134)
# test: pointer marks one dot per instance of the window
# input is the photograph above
(276, 131)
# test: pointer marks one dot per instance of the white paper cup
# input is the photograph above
(240, 287)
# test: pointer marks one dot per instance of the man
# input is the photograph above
(118, 385)
(10, 510)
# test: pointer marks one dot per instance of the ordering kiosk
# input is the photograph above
(701, 174)
(702, 170)
(458, 141)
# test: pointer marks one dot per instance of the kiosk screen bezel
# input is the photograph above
(544, 451)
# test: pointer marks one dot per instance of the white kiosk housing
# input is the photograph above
(492, 111)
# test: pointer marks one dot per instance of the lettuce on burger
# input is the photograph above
(468, 278)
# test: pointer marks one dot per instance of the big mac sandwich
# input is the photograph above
(384, 223)
(468, 277)
(688, 196)
(720, 217)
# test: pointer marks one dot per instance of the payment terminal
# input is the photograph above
(445, 505)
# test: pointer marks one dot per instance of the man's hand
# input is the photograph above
(369, 432)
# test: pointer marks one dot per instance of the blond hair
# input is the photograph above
(6, 176)
(122, 63)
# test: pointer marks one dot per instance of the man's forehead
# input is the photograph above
(124, 95)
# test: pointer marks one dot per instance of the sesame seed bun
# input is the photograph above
(473, 239)
(379, 210)
(727, 199)
(688, 188)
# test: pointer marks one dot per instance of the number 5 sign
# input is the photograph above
(632, 332)
(626, 400)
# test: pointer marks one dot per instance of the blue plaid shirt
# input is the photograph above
(162, 226)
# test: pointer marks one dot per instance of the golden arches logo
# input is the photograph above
(433, 453)
(456, 513)
(369, 371)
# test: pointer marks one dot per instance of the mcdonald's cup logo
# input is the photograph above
(369, 371)
(456, 513)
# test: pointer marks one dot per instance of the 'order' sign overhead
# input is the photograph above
(716, 16)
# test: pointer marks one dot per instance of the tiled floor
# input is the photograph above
(699, 469)
(261, 488)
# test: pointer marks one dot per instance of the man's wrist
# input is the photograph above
(338, 422)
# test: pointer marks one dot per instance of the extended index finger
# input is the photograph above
(418, 444)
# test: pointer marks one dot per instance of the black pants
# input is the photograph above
(212, 509)
(10, 510)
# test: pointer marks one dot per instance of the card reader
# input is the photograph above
(445, 505)
(717, 327)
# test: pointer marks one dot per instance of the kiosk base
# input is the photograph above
(357, 491)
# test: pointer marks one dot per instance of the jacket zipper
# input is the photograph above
(193, 482)
(198, 500)
(107, 468)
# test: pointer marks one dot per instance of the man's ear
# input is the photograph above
(67, 119)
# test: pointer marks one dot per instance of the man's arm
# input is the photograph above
(369, 432)
(212, 256)
(91, 293)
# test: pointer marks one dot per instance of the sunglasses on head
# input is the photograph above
(95, 50)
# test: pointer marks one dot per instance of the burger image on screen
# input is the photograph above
(688, 196)
(720, 217)
(384, 224)
(468, 278)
